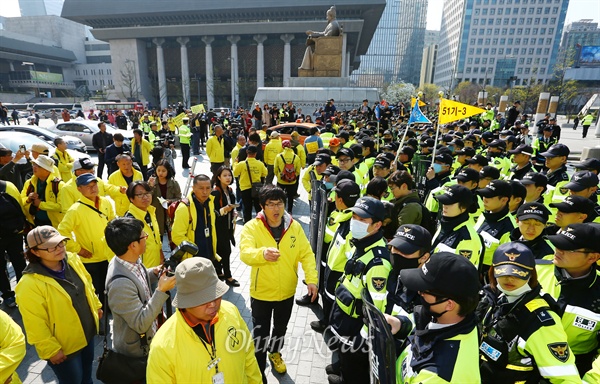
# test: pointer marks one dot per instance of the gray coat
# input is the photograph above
(131, 316)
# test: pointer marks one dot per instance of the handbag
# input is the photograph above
(256, 187)
(115, 367)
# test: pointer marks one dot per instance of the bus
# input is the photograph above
(120, 105)
(56, 106)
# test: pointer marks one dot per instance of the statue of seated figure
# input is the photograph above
(333, 29)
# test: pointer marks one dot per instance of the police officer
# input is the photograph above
(519, 330)
(456, 232)
(497, 158)
(444, 347)
(368, 268)
(571, 278)
(556, 164)
(531, 229)
(521, 157)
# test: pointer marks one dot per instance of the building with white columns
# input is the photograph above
(216, 53)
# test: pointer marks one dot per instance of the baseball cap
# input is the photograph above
(455, 194)
(197, 283)
(45, 235)
(575, 203)
(83, 163)
(534, 178)
(427, 143)
(410, 238)
(322, 158)
(45, 162)
(470, 137)
(582, 180)
(467, 174)
(478, 159)
(274, 135)
(345, 152)
(487, 136)
(523, 148)
(589, 164)
(535, 211)
(467, 151)
(286, 144)
(407, 150)
(382, 162)
(85, 179)
(40, 148)
(331, 170)
(497, 143)
(444, 158)
(517, 189)
(548, 128)
(369, 208)
(513, 259)
(342, 175)
(489, 171)
(368, 143)
(445, 274)
(252, 149)
(344, 135)
(575, 236)
(495, 188)
(556, 150)
(347, 189)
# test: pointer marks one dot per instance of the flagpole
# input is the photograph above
(437, 129)
(406, 131)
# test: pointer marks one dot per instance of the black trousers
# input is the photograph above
(13, 246)
(270, 174)
(100, 169)
(214, 167)
(223, 250)
(290, 191)
(185, 155)
(585, 131)
(249, 202)
(355, 365)
(98, 273)
(265, 340)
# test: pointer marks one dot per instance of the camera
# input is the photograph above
(177, 255)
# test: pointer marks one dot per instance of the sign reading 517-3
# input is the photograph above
(453, 110)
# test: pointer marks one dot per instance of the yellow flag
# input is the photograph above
(453, 110)
(413, 100)
(178, 120)
(198, 108)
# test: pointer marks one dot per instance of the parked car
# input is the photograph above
(85, 129)
(285, 130)
(73, 142)
(12, 141)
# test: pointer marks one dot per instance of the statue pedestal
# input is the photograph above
(327, 58)
(319, 82)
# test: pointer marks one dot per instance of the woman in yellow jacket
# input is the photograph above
(12, 349)
(140, 195)
(287, 178)
(59, 306)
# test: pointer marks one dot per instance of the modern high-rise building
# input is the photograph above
(583, 32)
(395, 53)
(41, 7)
(429, 57)
(499, 42)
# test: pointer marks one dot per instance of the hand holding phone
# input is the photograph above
(22, 148)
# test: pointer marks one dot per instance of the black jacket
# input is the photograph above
(101, 140)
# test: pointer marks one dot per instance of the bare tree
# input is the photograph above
(129, 84)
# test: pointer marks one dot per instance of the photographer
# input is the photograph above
(134, 306)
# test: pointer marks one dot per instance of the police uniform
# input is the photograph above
(577, 298)
(522, 338)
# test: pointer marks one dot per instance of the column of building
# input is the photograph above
(287, 58)
(185, 70)
(235, 97)
(210, 85)
(160, 68)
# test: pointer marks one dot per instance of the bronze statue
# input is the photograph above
(333, 29)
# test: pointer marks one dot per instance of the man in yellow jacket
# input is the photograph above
(273, 244)
(64, 161)
(287, 168)
(122, 177)
(85, 222)
(140, 149)
(206, 340)
(40, 193)
(195, 219)
(246, 173)
(12, 349)
(272, 150)
(215, 149)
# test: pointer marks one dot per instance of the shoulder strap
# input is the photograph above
(99, 211)
(2, 186)
(249, 173)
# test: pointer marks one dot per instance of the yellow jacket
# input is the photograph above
(234, 154)
(171, 360)
(14, 192)
(86, 228)
(150, 258)
(276, 281)
(183, 228)
(50, 321)
(121, 200)
(69, 193)
(257, 169)
(272, 149)
(146, 148)
(290, 157)
(215, 150)
(65, 164)
(301, 154)
(51, 205)
(12, 348)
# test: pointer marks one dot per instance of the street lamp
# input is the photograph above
(37, 86)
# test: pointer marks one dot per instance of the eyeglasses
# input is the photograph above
(144, 236)
(275, 205)
(572, 252)
(62, 244)
(344, 160)
(142, 195)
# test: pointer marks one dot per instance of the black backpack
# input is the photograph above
(13, 219)
(427, 219)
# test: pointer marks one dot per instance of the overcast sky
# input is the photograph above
(578, 9)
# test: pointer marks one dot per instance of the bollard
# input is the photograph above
(542, 106)
(482, 98)
(503, 104)
(553, 106)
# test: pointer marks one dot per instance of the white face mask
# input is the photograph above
(359, 229)
(513, 295)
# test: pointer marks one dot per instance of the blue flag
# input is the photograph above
(416, 116)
